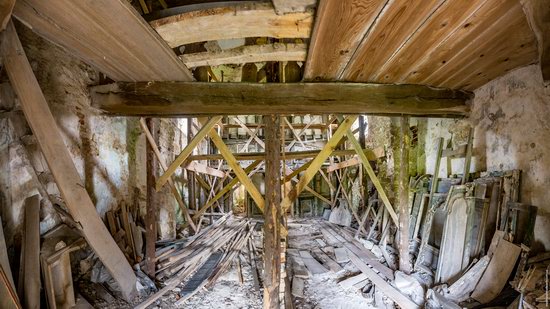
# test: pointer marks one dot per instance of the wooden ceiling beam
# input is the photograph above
(232, 21)
(372, 155)
(538, 16)
(246, 54)
(109, 35)
(177, 99)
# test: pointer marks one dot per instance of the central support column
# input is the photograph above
(152, 201)
(272, 212)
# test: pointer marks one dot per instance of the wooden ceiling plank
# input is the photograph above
(340, 26)
(176, 99)
(247, 54)
(491, 53)
(116, 40)
(450, 50)
(239, 20)
(441, 24)
(389, 34)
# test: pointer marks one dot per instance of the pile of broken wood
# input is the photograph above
(197, 262)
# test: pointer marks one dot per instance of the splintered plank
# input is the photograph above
(298, 266)
(496, 275)
(31, 295)
(341, 255)
(67, 178)
(311, 263)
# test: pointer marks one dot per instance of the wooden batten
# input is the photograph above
(176, 99)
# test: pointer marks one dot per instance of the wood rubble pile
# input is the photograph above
(177, 261)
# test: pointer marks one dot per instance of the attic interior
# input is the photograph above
(274, 154)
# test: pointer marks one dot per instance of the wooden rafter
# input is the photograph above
(6, 7)
(232, 21)
(187, 151)
(316, 163)
(173, 99)
(246, 54)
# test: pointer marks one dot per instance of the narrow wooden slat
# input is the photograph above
(238, 20)
(187, 151)
(339, 28)
(116, 40)
(60, 163)
(340, 165)
(246, 54)
(204, 169)
(6, 7)
(31, 259)
(372, 155)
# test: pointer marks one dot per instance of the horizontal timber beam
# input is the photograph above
(179, 99)
(232, 21)
(372, 155)
(246, 54)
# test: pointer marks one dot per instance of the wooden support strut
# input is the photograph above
(173, 188)
(187, 151)
(372, 176)
(60, 162)
(318, 162)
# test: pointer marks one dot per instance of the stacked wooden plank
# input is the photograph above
(178, 261)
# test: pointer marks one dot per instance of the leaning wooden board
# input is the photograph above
(495, 277)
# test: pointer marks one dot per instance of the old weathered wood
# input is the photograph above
(388, 290)
(8, 295)
(173, 188)
(496, 275)
(60, 162)
(152, 202)
(372, 155)
(247, 54)
(538, 16)
(404, 211)
(272, 212)
(4, 260)
(187, 151)
(291, 6)
(316, 163)
(336, 166)
(231, 21)
(460, 290)
(312, 265)
(31, 258)
(339, 28)
(173, 99)
(372, 176)
(204, 169)
(6, 7)
(116, 40)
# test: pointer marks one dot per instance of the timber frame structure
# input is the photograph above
(391, 58)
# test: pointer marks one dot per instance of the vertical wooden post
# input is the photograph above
(404, 260)
(152, 200)
(272, 212)
(190, 174)
(31, 285)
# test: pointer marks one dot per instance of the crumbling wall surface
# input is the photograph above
(108, 152)
(511, 115)
(511, 119)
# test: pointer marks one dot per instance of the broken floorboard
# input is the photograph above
(180, 99)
